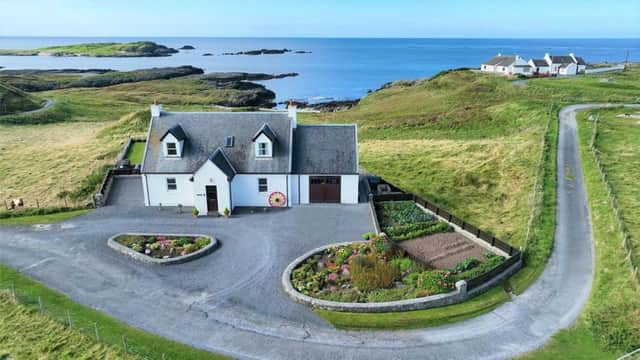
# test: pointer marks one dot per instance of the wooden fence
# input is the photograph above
(515, 255)
(622, 226)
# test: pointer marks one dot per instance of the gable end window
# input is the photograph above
(172, 149)
(262, 185)
(171, 184)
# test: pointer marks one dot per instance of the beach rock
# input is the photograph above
(187, 47)
(243, 76)
(261, 52)
(302, 52)
(207, 54)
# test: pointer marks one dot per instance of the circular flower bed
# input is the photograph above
(378, 271)
(162, 248)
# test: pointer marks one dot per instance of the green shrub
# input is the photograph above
(368, 235)
(431, 282)
(393, 294)
(346, 295)
(484, 267)
(201, 242)
(467, 264)
(136, 247)
(409, 232)
(406, 264)
(189, 248)
(36, 211)
(370, 273)
(402, 213)
(154, 246)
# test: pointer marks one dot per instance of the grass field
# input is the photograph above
(25, 334)
(13, 100)
(610, 324)
(136, 152)
(111, 331)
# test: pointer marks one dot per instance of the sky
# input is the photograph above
(322, 18)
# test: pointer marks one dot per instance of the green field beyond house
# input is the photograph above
(14, 100)
(110, 49)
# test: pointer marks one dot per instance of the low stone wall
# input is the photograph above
(112, 243)
(454, 297)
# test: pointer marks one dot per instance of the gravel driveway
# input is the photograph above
(231, 301)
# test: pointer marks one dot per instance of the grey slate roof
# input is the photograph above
(325, 149)
(220, 160)
(561, 59)
(176, 131)
(266, 130)
(501, 60)
(206, 132)
(539, 62)
(581, 61)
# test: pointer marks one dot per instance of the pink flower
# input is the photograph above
(332, 277)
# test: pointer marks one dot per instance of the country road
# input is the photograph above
(252, 318)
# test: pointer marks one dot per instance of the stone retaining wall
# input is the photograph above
(112, 243)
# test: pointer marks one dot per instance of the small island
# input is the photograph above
(188, 47)
(110, 49)
(266, 52)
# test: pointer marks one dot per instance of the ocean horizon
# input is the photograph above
(335, 68)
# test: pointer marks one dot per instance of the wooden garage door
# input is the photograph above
(324, 189)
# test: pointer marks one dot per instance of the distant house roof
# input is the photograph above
(206, 132)
(176, 131)
(325, 149)
(561, 59)
(501, 60)
(219, 159)
(580, 61)
(539, 62)
(266, 130)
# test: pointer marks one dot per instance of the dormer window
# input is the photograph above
(172, 149)
(263, 149)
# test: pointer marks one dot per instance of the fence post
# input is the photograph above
(69, 319)
(124, 345)
(37, 204)
(40, 304)
(95, 327)
(13, 291)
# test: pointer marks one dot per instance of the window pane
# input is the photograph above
(172, 149)
(171, 184)
(262, 185)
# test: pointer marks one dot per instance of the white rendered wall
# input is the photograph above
(349, 189)
(304, 189)
(156, 185)
(210, 175)
(294, 196)
(244, 189)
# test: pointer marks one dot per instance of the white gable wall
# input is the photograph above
(349, 189)
(209, 175)
(172, 139)
(263, 139)
(244, 189)
(156, 192)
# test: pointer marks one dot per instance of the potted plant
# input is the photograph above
(195, 212)
(226, 212)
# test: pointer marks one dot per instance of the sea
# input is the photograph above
(335, 68)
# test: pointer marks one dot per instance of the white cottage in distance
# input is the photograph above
(550, 65)
(223, 160)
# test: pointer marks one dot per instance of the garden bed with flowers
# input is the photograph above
(379, 271)
(162, 248)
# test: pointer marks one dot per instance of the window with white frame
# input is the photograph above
(263, 185)
(172, 149)
(172, 184)
(263, 149)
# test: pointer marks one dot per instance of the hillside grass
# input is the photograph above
(26, 334)
(471, 143)
(14, 100)
(58, 306)
(610, 324)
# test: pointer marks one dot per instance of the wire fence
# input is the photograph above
(619, 215)
(102, 333)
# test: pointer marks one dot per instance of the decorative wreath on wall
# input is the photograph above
(277, 199)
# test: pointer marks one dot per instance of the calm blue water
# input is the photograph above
(337, 68)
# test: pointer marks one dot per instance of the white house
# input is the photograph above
(565, 65)
(507, 65)
(222, 160)
(540, 67)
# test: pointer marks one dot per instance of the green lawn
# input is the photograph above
(136, 152)
(610, 323)
(132, 49)
(43, 219)
(111, 331)
(418, 319)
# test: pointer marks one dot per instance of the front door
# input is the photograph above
(324, 189)
(212, 199)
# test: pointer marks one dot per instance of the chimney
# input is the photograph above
(573, 56)
(293, 114)
(499, 54)
(156, 109)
